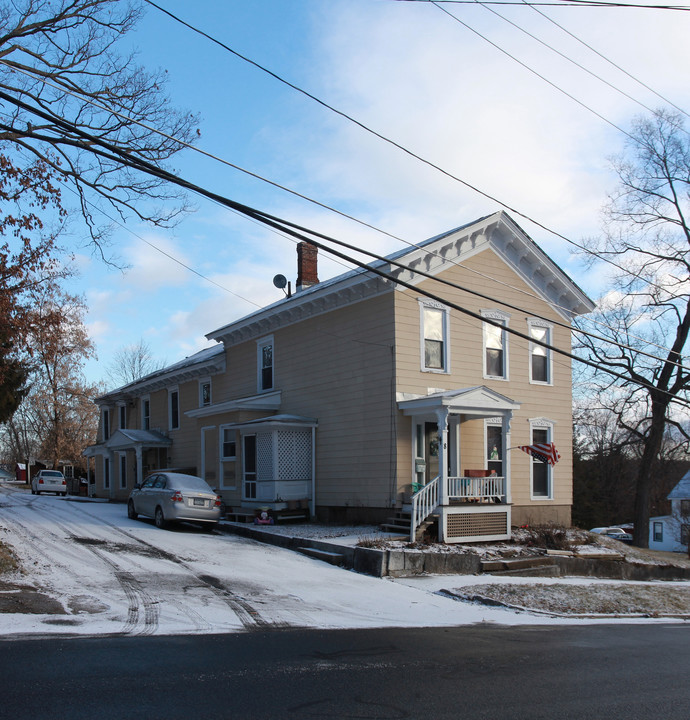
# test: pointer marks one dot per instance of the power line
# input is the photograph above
(565, 3)
(105, 149)
(28, 71)
(606, 59)
(397, 145)
(566, 57)
(352, 247)
(532, 70)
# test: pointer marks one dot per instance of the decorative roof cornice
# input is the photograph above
(498, 232)
(210, 361)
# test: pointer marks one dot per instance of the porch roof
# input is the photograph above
(479, 400)
(129, 440)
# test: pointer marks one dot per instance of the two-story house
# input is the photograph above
(406, 385)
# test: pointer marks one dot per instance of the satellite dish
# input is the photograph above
(280, 281)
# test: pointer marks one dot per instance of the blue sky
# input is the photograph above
(410, 72)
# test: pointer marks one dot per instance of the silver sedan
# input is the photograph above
(173, 497)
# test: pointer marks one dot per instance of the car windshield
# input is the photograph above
(189, 483)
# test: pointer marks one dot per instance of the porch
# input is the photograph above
(470, 505)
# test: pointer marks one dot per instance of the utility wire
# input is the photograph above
(569, 59)
(101, 147)
(28, 71)
(532, 70)
(395, 144)
(565, 3)
(353, 247)
(606, 59)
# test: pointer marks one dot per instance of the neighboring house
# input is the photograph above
(356, 393)
(672, 532)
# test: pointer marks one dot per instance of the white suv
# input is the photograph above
(49, 481)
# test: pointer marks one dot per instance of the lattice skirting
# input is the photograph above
(476, 525)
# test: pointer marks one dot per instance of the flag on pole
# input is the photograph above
(546, 452)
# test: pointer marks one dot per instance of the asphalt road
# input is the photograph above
(632, 672)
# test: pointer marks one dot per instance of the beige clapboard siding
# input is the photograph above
(337, 369)
(466, 349)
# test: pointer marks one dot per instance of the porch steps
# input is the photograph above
(399, 525)
(530, 567)
(333, 558)
(240, 516)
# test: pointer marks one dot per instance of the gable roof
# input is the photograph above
(682, 490)
(433, 256)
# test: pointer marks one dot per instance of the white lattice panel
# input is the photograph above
(294, 454)
(264, 456)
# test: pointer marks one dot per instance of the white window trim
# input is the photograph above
(425, 303)
(494, 422)
(536, 322)
(222, 459)
(202, 382)
(503, 317)
(261, 343)
(541, 423)
(145, 399)
(171, 391)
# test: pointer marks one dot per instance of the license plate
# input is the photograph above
(199, 501)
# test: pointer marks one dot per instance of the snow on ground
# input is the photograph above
(106, 574)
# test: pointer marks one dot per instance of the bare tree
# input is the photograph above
(57, 419)
(131, 363)
(68, 95)
(646, 312)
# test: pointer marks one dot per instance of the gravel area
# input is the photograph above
(615, 599)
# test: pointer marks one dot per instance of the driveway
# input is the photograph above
(88, 569)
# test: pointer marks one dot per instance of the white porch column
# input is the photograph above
(505, 422)
(442, 423)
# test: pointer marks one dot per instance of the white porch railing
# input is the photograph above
(463, 489)
(477, 489)
(424, 502)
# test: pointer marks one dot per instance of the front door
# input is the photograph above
(249, 466)
(431, 450)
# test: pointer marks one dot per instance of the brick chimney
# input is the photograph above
(307, 259)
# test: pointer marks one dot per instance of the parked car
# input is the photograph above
(619, 534)
(172, 497)
(49, 481)
(614, 532)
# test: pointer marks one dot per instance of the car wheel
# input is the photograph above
(160, 518)
(33, 492)
(64, 494)
(131, 512)
(210, 527)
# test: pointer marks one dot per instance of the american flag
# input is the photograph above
(546, 452)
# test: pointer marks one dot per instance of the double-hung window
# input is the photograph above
(204, 392)
(228, 456)
(495, 344)
(434, 337)
(174, 408)
(264, 364)
(539, 356)
(106, 424)
(145, 413)
(541, 431)
(122, 410)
